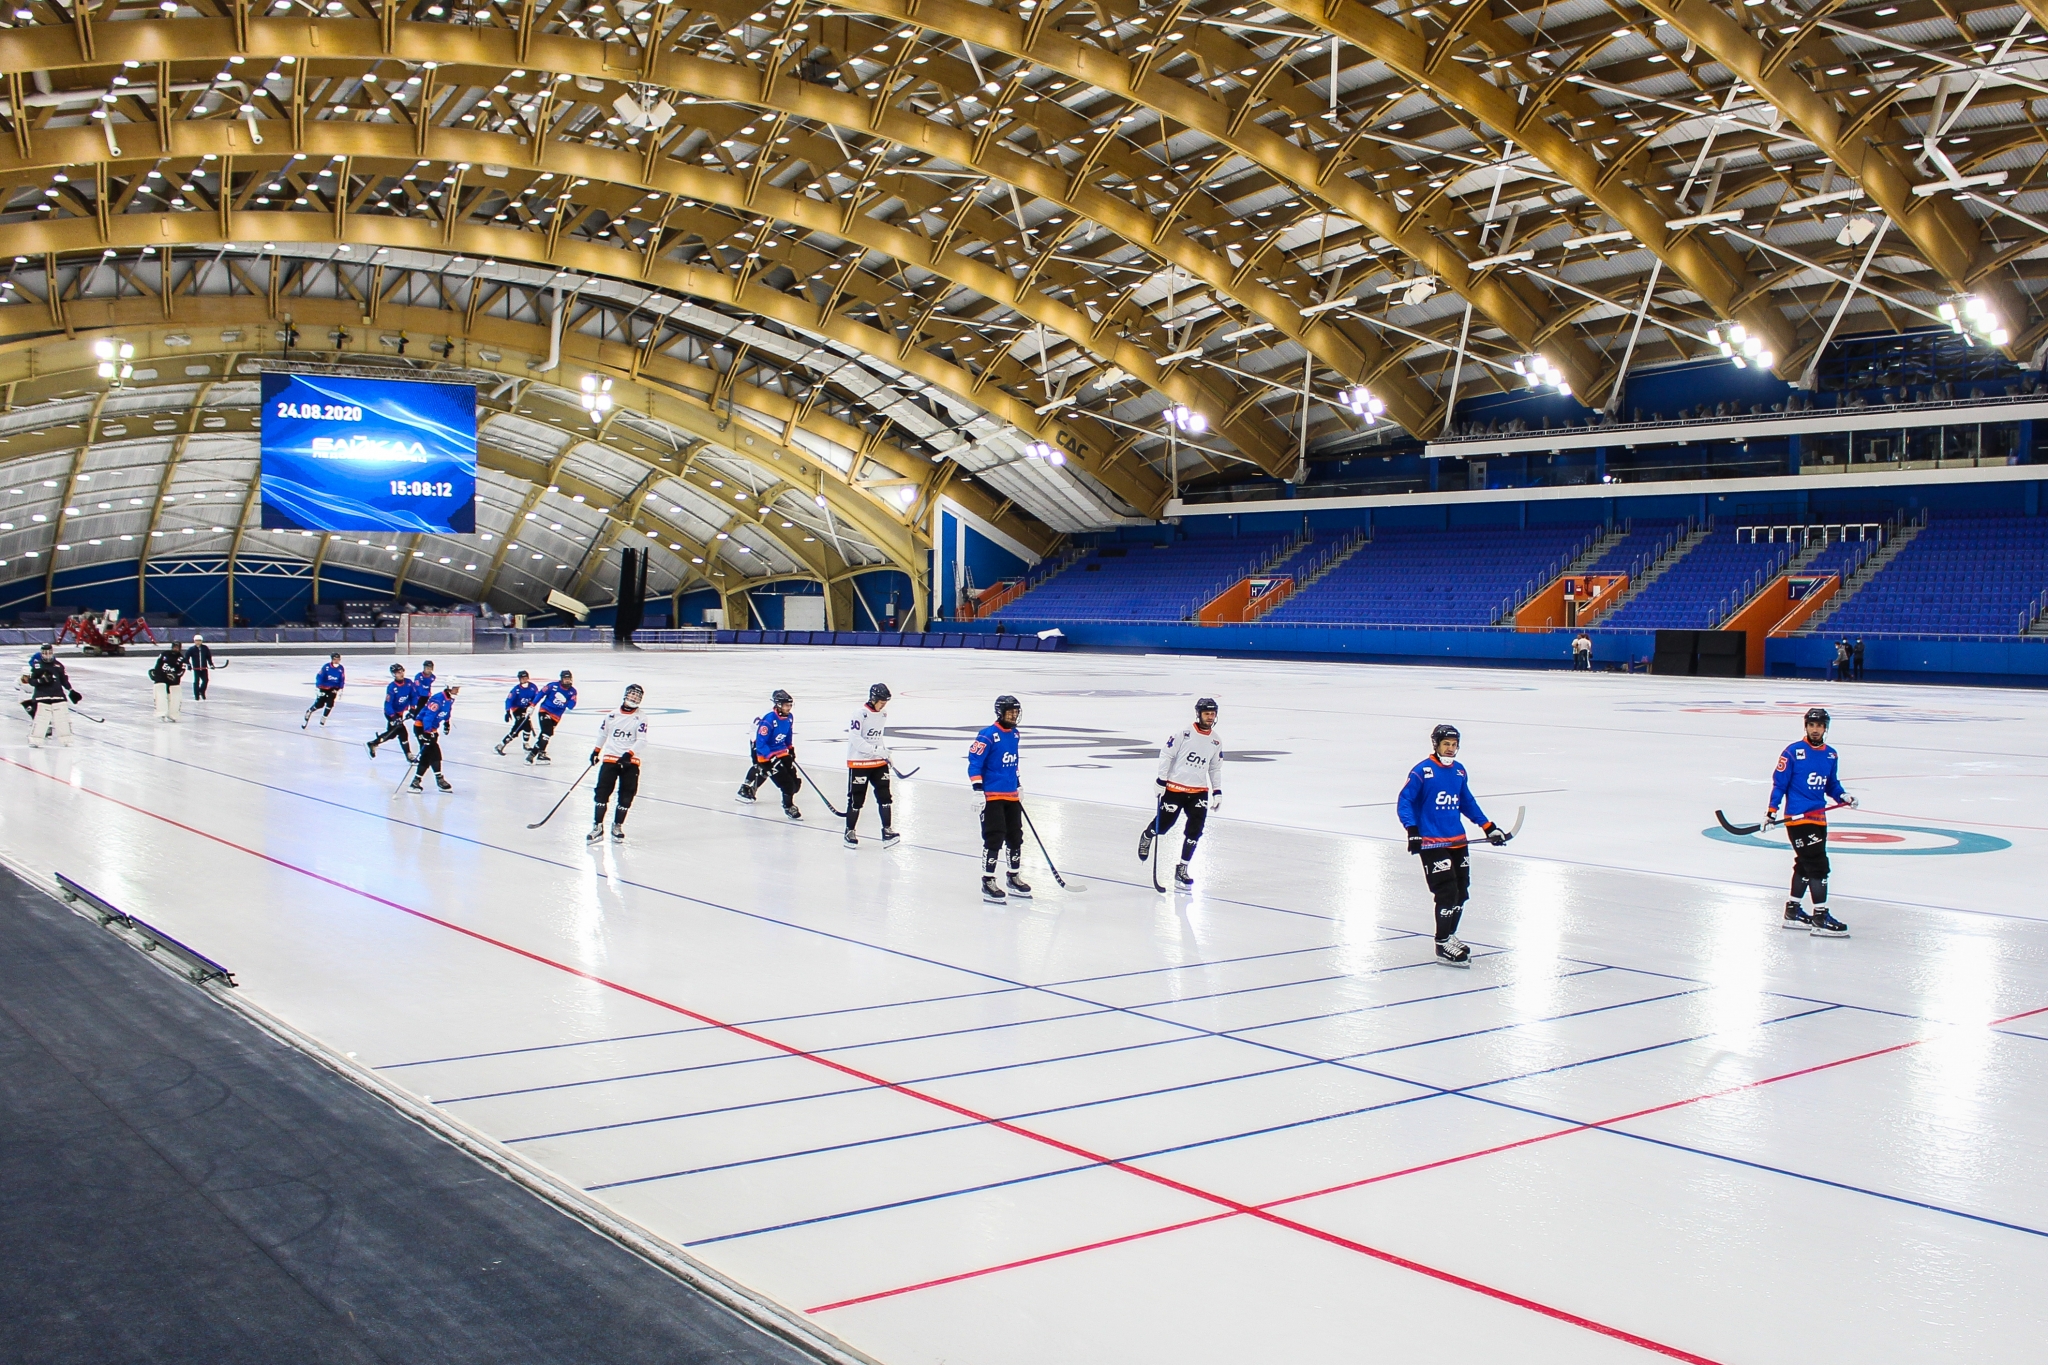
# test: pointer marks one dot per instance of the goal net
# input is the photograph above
(427, 632)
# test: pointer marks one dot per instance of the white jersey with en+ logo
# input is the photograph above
(620, 736)
(867, 739)
(1192, 761)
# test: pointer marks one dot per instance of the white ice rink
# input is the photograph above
(1111, 1127)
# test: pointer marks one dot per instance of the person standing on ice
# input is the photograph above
(992, 771)
(164, 676)
(620, 738)
(867, 765)
(51, 697)
(399, 701)
(428, 719)
(1190, 782)
(519, 709)
(557, 699)
(773, 751)
(1434, 804)
(1808, 777)
(328, 682)
(199, 661)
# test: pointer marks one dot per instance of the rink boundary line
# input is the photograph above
(1232, 1206)
(1598, 1125)
(852, 1009)
(1430, 1092)
(1096, 1008)
(1056, 1060)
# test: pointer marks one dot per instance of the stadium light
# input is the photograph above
(116, 360)
(1361, 402)
(1186, 420)
(1538, 372)
(597, 395)
(1972, 318)
(1742, 346)
(1039, 450)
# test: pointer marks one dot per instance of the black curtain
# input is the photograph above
(632, 595)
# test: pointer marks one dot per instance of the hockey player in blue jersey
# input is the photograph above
(519, 709)
(399, 702)
(557, 699)
(773, 749)
(992, 771)
(328, 682)
(428, 720)
(1434, 805)
(1808, 778)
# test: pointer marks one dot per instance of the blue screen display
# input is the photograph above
(348, 454)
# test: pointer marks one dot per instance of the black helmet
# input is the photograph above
(1817, 716)
(878, 692)
(398, 668)
(1205, 704)
(782, 698)
(634, 694)
(567, 675)
(523, 673)
(1006, 702)
(335, 655)
(1442, 733)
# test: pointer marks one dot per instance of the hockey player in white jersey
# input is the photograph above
(620, 738)
(1191, 782)
(867, 765)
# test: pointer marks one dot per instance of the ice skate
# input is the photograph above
(1452, 953)
(743, 795)
(1145, 843)
(443, 783)
(618, 831)
(414, 785)
(1825, 925)
(372, 745)
(1795, 918)
(596, 834)
(850, 840)
(308, 720)
(500, 746)
(1181, 880)
(992, 893)
(1017, 886)
(890, 838)
(791, 812)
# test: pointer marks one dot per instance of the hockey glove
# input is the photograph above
(1495, 835)
(1214, 802)
(1158, 782)
(1414, 839)
(1851, 802)
(977, 788)
(76, 696)
(593, 758)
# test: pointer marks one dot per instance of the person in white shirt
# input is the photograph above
(1190, 780)
(620, 738)
(867, 765)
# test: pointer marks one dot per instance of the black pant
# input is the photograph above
(1171, 804)
(199, 677)
(1450, 881)
(858, 780)
(781, 770)
(626, 778)
(547, 732)
(1809, 861)
(395, 729)
(1002, 822)
(522, 724)
(430, 753)
(325, 701)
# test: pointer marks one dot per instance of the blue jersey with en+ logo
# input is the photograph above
(992, 761)
(1808, 777)
(773, 736)
(398, 697)
(556, 698)
(1436, 800)
(330, 678)
(433, 713)
(521, 696)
